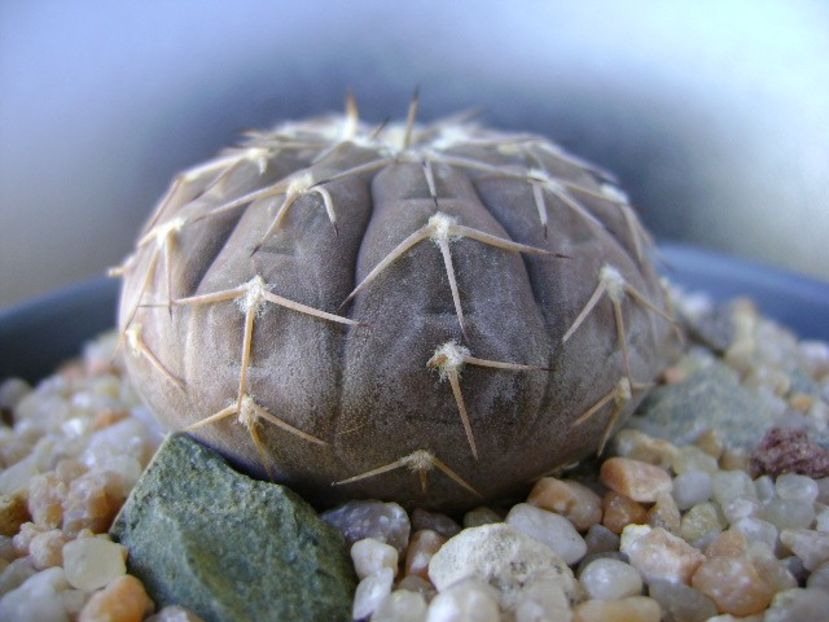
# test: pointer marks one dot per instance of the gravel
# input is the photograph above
(701, 525)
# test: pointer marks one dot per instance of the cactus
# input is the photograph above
(433, 314)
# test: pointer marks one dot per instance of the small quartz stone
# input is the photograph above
(730, 543)
(575, 501)
(599, 539)
(414, 583)
(174, 613)
(788, 514)
(821, 517)
(734, 584)
(699, 521)
(638, 480)
(500, 556)
(657, 554)
(636, 445)
(386, 522)
(711, 443)
(620, 511)
(442, 524)
(692, 458)
(481, 516)
(810, 546)
(38, 598)
(92, 502)
(735, 459)
(819, 579)
(123, 600)
(467, 601)
(793, 487)
(24, 537)
(774, 571)
(691, 488)
(738, 508)
(764, 486)
(371, 591)
(423, 545)
(15, 574)
(46, 549)
(401, 606)
(681, 603)
(758, 530)
(727, 485)
(92, 563)
(552, 529)
(47, 493)
(798, 605)
(664, 513)
(631, 609)
(370, 555)
(609, 579)
(823, 489)
(541, 601)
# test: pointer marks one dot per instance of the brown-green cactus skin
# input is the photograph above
(433, 314)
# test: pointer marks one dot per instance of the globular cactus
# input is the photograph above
(429, 314)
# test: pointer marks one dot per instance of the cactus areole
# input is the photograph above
(432, 314)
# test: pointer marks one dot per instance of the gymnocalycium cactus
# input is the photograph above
(429, 314)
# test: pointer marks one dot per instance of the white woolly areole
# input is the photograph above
(133, 335)
(254, 296)
(163, 231)
(542, 176)
(613, 281)
(440, 224)
(623, 390)
(258, 156)
(450, 356)
(247, 412)
(301, 183)
(419, 461)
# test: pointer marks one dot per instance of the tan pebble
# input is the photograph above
(774, 571)
(801, 402)
(730, 543)
(631, 609)
(92, 563)
(657, 554)
(734, 584)
(635, 479)
(619, 511)
(674, 375)
(92, 502)
(690, 458)
(481, 515)
(46, 549)
(637, 445)
(664, 513)
(575, 501)
(106, 418)
(13, 513)
(23, 539)
(123, 600)
(46, 494)
(711, 443)
(423, 545)
(735, 459)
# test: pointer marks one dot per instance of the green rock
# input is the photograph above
(710, 398)
(229, 547)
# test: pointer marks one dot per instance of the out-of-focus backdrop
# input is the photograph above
(714, 114)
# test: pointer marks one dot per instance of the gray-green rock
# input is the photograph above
(228, 547)
(710, 398)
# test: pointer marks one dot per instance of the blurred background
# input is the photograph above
(714, 114)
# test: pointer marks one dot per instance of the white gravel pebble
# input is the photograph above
(401, 606)
(38, 598)
(552, 529)
(467, 601)
(370, 555)
(91, 563)
(370, 592)
(609, 579)
(793, 487)
(541, 601)
(798, 605)
(691, 488)
(810, 546)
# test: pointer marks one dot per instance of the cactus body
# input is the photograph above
(429, 314)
